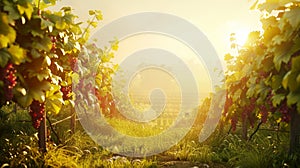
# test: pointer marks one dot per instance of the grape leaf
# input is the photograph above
(293, 17)
(91, 12)
(253, 37)
(43, 44)
(7, 33)
(27, 9)
(49, 1)
(282, 54)
(293, 98)
(4, 57)
(18, 54)
(37, 91)
(46, 24)
(34, 53)
(66, 9)
(54, 100)
(276, 82)
(286, 80)
(13, 13)
(277, 99)
(60, 24)
(271, 5)
(296, 64)
(24, 100)
(290, 81)
(43, 74)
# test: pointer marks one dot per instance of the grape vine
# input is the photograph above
(263, 76)
(39, 52)
(8, 78)
(37, 112)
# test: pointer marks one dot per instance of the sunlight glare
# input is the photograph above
(240, 30)
(241, 36)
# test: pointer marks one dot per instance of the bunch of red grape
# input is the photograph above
(234, 121)
(7, 75)
(36, 112)
(53, 40)
(248, 111)
(283, 108)
(264, 113)
(228, 103)
(285, 112)
(267, 107)
(66, 90)
(73, 62)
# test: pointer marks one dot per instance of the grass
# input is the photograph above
(18, 143)
(81, 151)
(135, 129)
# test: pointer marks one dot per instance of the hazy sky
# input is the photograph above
(217, 19)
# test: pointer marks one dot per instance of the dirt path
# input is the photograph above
(165, 161)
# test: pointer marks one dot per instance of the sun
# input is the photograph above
(240, 31)
(241, 36)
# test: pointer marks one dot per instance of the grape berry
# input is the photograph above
(66, 90)
(36, 112)
(7, 75)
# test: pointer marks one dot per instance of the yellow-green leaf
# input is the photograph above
(293, 17)
(298, 78)
(99, 15)
(94, 24)
(44, 44)
(228, 57)
(27, 9)
(25, 100)
(47, 24)
(18, 54)
(54, 100)
(286, 80)
(296, 63)
(114, 45)
(293, 98)
(290, 81)
(66, 9)
(4, 57)
(7, 33)
(91, 12)
(60, 24)
(277, 99)
(13, 13)
(276, 82)
(282, 54)
(43, 74)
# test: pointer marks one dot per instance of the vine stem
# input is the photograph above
(51, 126)
(88, 26)
(39, 10)
(228, 132)
(257, 128)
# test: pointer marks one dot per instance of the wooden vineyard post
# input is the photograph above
(295, 132)
(42, 134)
(244, 129)
(73, 120)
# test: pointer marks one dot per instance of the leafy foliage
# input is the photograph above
(39, 45)
(94, 84)
(262, 80)
(42, 47)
